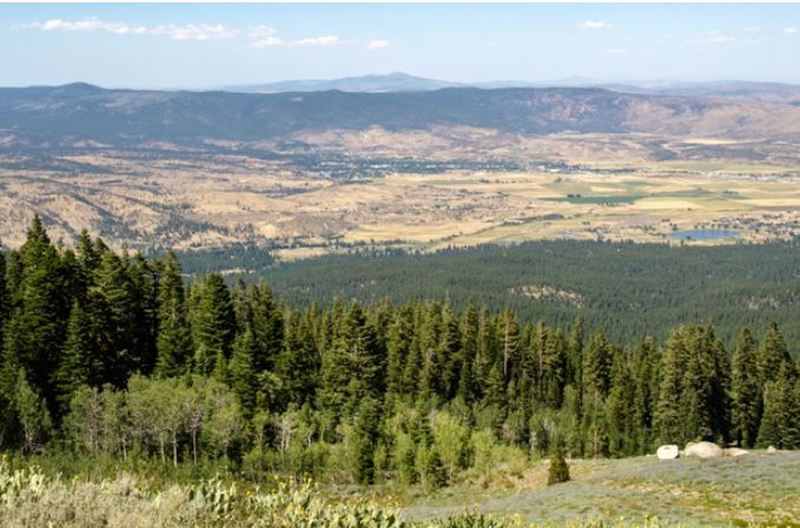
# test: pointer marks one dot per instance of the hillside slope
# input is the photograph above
(84, 112)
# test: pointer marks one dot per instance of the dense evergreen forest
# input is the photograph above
(630, 290)
(116, 355)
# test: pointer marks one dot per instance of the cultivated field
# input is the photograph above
(197, 199)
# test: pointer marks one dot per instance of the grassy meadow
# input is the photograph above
(756, 489)
(751, 491)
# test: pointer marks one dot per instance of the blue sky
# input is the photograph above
(206, 45)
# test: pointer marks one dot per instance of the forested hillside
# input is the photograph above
(113, 355)
(630, 290)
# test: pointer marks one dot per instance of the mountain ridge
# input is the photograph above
(86, 112)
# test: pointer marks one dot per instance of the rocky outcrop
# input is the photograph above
(667, 452)
(703, 450)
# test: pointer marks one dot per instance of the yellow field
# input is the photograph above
(237, 199)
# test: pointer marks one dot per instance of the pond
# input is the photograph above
(704, 234)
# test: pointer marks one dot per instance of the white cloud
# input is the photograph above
(789, 30)
(261, 36)
(174, 31)
(595, 24)
(273, 41)
(711, 38)
(267, 42)
(378, 44)
(260, 31)
(87, 24)
(617, 51)
(195, 31)
(324, 41)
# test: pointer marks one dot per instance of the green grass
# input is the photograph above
(756, 489)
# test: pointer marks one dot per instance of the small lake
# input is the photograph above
(704, 234)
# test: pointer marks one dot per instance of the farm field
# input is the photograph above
(214, 201)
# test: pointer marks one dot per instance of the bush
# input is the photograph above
(559, 469)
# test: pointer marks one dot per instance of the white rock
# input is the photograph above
(735, 452)
(771, 450)
(703, 450)
(667, 452)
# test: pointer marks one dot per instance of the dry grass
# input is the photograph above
(223, 199)
(756, 490)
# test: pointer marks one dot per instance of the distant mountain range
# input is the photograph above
(64, 115)
(393, 82)
(403, 82)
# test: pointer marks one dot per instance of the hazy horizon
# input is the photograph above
(206, 46)
(577, 81)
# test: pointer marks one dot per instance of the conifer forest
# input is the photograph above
(108, 354)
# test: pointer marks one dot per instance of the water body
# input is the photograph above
(704, 234)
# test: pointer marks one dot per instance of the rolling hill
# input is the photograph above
(67, 114)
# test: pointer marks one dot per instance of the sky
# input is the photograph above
(211, 45)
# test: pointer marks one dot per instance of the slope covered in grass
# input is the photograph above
(756, 489)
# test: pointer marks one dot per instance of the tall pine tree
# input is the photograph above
(746, 391)
(174, 343)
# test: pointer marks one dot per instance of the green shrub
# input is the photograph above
(559, 469)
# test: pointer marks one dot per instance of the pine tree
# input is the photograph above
(397, 344)
(143, 277)
(645, 379)
(352, 369)
(667, 416)
(299, 364)
(575, 353)
(779, 426)
(41, 310)
(746, 391)
(365, 439)
(487, 351)
(554, 369)
(509, 338)
(597, 368)
(774, 360)
(242, 374)
(174, 343)
(77, 366)
(495, 392)
(268, 326)
(558, 471)
(213, 324)
(620, 402)
(114, 309)
(4, 301)
(467, 385)
(9, 370)
(429, 339)
(449, 354)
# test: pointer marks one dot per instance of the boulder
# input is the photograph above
(703, 450)
(667, 452)
(735, 452)
(771, 450)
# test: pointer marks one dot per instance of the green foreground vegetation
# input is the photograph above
(113, 362)
(757, 490)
